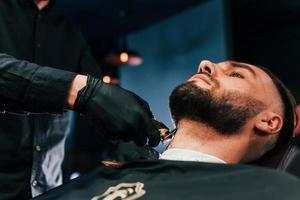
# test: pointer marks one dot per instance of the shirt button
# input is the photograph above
(38, 45)
(38, 148)
(34, 183)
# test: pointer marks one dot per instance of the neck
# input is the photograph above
(41, 4)
(199, 137)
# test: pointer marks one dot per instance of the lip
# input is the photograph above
(203, 77)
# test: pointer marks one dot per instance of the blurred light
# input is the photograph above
(74, 175)
(114, 81)
(135, 59)
(111, 80)
(124, 57)
(106, 79)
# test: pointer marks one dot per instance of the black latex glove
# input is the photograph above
(117, 113)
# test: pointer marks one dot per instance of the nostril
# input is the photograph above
(207, 69)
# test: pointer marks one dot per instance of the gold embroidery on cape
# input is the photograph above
(123, 191)
(112, 164)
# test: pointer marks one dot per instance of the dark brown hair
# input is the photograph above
(289, 109)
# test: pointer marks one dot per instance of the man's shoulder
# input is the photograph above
(217, 171)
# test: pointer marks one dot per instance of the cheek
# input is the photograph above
(241, 87)
(237, 85)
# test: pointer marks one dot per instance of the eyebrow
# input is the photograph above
(242, 65)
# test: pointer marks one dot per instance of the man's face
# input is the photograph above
(235, 76)
(224, 95)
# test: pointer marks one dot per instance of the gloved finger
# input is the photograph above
(143, 103)
(140, 141)
(153, 134)
(138, 134)
(120, 131)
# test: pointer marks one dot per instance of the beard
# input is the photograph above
(226, 113)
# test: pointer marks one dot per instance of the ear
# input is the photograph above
(297, 128)
(269, 122)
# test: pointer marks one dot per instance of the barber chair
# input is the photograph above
(285, 158)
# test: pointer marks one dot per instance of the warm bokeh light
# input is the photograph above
(124, 57)
(106, 79)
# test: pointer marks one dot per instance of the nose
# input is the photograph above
(207, 67)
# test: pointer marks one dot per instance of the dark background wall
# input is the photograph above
(268, 33)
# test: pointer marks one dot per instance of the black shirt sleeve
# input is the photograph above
(26, 86)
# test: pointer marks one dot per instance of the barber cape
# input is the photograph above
(166, 179)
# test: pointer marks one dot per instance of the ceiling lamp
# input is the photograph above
(124, 56)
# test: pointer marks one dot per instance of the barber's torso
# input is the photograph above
(31, 145)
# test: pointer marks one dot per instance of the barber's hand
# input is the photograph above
(117, 113)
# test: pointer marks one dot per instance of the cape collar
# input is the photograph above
(189, 155)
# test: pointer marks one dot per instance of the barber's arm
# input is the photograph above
(25, 86)
(112, 110)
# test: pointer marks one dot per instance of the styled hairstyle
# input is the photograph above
(289, 109)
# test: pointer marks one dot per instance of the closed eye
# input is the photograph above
(236, 74)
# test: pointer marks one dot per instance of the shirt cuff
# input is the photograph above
(49, 89)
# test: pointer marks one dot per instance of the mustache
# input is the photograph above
(215, 82)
